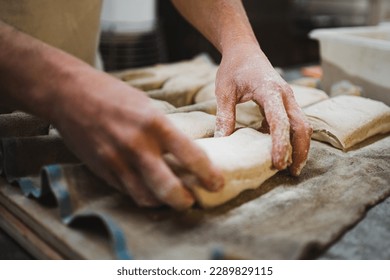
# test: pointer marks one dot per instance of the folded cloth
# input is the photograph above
(20, 124)
(285, 218)
(26, 156)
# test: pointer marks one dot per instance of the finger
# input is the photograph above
(300, 134)
(163, 183)
(279, 128)
(133, 186)
(192, 157)
(226, 113)
(264, 123)
(123, 178)
(264, 126)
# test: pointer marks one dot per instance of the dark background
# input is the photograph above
(281, 27)
(283, 39)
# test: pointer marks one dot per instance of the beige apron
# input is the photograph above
(71, 25)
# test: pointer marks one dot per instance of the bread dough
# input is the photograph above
(153, 77)
(248, 114)
(194, 124)
(206, 93)
(162, 106)
(181, 89)
(306, 82)
(209, 107)
(306, 96)
(244, 159)
(344, 121)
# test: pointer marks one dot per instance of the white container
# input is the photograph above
(128, 16)
(358, 54)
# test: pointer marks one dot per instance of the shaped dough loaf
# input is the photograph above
(244, 159)
(194, 124)
(153, 77)
(248, 113)
(181, 89)
(306, 96)
(162, 106)
(344, 121)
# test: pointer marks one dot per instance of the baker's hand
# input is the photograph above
(246, 74)
(117, 133)
(109, 125)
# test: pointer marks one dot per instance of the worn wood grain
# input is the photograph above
(73, 243)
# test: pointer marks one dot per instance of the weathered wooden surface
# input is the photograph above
(44, 221)
(286, 218)
(27, 238)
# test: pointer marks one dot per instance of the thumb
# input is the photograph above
(226, 114)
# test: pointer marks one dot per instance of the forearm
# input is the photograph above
(223, 22)
(30, 72)
(109, 125)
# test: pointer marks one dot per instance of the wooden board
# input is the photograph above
(26, 237)
(28, 221)
(287, 218)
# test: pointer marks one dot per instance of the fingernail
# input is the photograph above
(297, 172)
(217, 182)
(298, 169)
(279, 162)
(180, 199)
(184, 204)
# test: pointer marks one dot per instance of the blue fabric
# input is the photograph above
(52, 180)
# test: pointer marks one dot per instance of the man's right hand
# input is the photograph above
(109, 125)
(114, 129)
